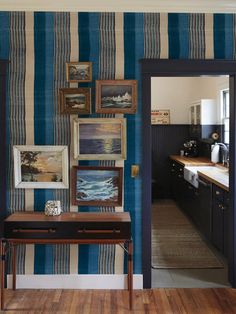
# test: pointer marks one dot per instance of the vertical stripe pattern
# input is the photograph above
(38, 46)
(196, 36)
(152, 43)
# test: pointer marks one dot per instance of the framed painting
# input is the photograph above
(116, 96)
(41, 167)
(75, 100)
(97, 186)
(100, 139)
(77, 72)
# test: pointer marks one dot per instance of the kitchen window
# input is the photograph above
(225, 115)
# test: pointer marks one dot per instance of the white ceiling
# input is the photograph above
(198, 6)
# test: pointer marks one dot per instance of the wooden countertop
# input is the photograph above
(218, 176)
(192, 161)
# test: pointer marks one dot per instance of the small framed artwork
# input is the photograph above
(75, 100)
(160, 116)
(97, 186)
(41, 167)
(116, 96)
(78, 72)
(100, 139)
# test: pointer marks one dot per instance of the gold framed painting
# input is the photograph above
(75, 100)
(78, 72)
(116, 96)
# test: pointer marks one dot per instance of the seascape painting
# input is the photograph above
(38, 166)
(100, 139)
(75, 101)
(116, 96)
(41, 166)
(97, 185)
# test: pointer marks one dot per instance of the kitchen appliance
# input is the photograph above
(190, 148)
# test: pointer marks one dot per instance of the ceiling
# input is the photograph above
(188, 6)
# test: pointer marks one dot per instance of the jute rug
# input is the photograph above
(175, 241)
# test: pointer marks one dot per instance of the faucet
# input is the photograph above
(225, 155)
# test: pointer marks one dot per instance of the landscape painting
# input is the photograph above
(41, 166)
(116, 96)
(79, 72)
(75, 100)
(100, 138)
(97, 186)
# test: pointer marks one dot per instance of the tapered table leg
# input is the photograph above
(14, 267)
(130, 273)
(3, 255)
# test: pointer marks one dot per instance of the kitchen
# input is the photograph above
(172, 179)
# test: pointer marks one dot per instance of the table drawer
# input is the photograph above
(77, 230)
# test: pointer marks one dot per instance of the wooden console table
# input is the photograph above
(68, 228)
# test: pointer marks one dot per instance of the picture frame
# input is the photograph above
(100, 138)
(116, 96)
(40, 167)
(75, 100)
(77, 72)
(97, 186)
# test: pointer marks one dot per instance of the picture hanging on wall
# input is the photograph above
(100, 139)
(75, 100)
(41, 167)
(77, 72)
(97, 186)
(116, 96)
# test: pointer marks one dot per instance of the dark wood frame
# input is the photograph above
(65, 91)
(100, 83)
(73, 63)
(97, 203)
(164, 68)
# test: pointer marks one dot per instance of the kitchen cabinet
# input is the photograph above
(203, 214)
(202, 118)
(220, 219)
(177, 183)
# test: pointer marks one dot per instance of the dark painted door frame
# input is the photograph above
(177, 68)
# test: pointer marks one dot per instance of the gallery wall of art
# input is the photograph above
(39, 45)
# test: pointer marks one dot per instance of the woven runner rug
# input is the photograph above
(176, 243)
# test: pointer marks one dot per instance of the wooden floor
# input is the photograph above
(162, 301)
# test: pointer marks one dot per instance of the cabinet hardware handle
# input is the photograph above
(172, 170)
(20, 230)
(180, 176)
(217, 193)
(98, 231)
(190, 187)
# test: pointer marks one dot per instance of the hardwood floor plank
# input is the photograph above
(158, 301)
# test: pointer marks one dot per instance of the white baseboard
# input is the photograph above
(74, 281)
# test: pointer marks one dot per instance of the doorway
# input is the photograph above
(181, 255)
(177, 68)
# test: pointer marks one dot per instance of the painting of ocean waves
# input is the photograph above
(93, 185)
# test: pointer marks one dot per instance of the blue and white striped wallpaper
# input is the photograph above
(38, 45)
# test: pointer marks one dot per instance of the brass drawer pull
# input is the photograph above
(98, 231)
(34, 230)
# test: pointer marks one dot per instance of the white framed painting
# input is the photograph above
(41, 167)
(100, 138)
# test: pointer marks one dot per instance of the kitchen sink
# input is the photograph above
(218, 173)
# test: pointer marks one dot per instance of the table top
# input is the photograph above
(68, 216)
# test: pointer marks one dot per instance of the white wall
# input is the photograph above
(177, 93)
